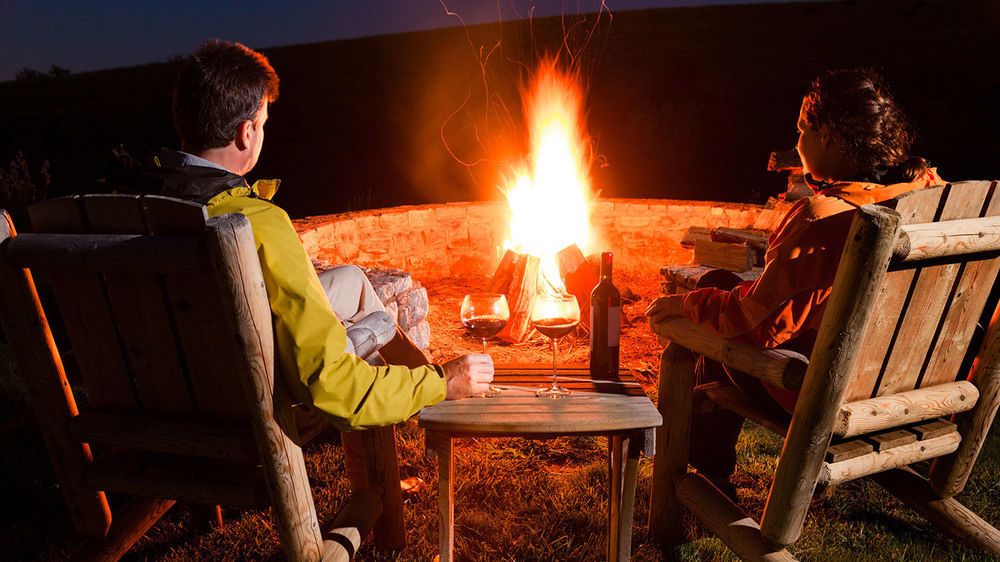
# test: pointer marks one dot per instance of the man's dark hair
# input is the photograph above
(221, 86)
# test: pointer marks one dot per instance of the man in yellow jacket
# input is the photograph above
(220, 108)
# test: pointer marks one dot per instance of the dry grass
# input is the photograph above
(515, 499)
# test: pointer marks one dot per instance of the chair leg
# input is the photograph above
(677, 377)
(947, 514)
(206, 518)
(382, 467)
(130, 523)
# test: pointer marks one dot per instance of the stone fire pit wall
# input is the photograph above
(466, 239)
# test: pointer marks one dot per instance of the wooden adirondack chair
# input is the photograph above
(885, 375)
(170, 329)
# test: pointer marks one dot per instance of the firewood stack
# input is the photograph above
(723, 258)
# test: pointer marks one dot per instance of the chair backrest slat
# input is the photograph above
(83, 303)
(969, 295)
(929, 300)
(213, 363)
(883, 326)
(139, 307)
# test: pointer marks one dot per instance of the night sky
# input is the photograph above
(98, 34)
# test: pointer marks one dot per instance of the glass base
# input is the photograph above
(493, 392)
(554, 391)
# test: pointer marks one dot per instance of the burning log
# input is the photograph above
(517, 278)
(580, 277)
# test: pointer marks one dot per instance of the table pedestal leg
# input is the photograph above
(446, 505)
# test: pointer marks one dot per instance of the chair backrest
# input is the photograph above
(168, 319)
(910, 288)
(926, 311)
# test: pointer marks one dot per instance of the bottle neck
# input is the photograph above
(606, 266)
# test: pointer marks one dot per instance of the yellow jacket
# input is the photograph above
(311, 340)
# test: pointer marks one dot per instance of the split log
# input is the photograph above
(694, 234)
(750, 236)
(580, 278)
(781, 160)
(734, 257)
(517, 278)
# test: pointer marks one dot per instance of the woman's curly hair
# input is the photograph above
(860, 110)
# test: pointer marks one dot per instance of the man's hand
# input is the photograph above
(468, 375)
(664, 307)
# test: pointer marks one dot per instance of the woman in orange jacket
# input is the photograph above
(854, 145)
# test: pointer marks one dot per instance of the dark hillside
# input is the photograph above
(683, 103)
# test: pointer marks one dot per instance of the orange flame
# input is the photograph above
(550, 197)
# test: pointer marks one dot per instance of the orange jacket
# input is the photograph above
(784, 306)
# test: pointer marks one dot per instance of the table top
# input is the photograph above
(592, 407)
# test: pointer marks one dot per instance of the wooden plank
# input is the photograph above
(970, 294)
(141, 315)
(929, 300)
(932, 429)
(180, 478)
(196, 308)
(848, 450)
(52, 402)
(914, 207)
(891, 439)
(225, 441)
(131, 522)
(733, 257)
(83, 304)
(949, 474)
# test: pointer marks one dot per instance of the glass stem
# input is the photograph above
(555, 351)
(484, 345)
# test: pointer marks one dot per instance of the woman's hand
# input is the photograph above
(664, 307)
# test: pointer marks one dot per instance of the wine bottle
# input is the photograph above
(605, 324)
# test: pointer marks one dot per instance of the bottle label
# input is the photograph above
(614, 325)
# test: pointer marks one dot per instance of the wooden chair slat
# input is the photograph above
(971, 293)
(142, 317)
(83, 301)
(920, 206)
(929, 299)
(195, 303)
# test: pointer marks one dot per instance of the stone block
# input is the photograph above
(451, 212)
(367, 224)
(393, 309)
(389, 284)
(420, 334)
(395, 222)
(634, 221)
(421, 217)
(413, 307)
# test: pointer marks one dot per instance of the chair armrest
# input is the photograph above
(780, 367)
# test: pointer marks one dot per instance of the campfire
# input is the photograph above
(550, 199)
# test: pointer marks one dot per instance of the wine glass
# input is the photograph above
(554, 316)
(484, 315)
